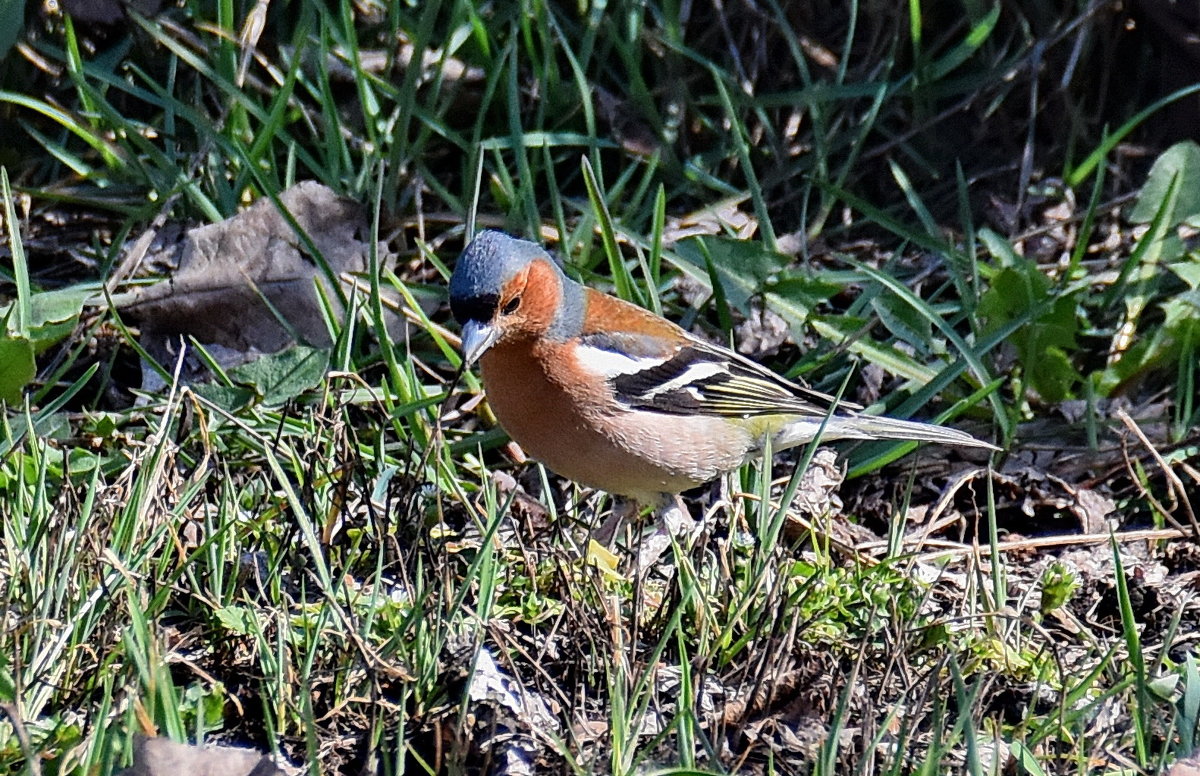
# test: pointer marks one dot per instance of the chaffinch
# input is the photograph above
(617, 398)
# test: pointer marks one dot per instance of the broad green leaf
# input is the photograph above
(1027, 759)
(1165, 346)
(59, 306)
(1045, 339)
(230, 398)
(238, 619)
(8, 687)
(17, 367)
(204, 703)
(1182, 310)
(53, 314)
(1019, 293)
(999, 248)
(796, 296)
(902, 320)
(1188, 272)
(284, 375)
(1182, 159)
(744, 267)
(1053, 375)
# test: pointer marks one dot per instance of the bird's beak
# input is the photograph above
(477, 337)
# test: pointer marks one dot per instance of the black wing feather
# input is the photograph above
(736, 387)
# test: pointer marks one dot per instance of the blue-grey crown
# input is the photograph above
(486, 265)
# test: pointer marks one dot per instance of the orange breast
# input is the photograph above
(583, 435)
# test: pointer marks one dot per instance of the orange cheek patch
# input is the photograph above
(540, 300)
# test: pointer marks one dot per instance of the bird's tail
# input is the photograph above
(858, 426)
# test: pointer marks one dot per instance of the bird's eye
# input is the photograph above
(511, 305)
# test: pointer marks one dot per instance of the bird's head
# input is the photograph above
(504, 289)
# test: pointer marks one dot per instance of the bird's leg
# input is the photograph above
(719, 500)
(622, 510)
(672, 523)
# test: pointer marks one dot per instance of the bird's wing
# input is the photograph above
(687, 376)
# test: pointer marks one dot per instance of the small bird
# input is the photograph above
(617, 398)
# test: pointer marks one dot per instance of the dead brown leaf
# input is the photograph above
(248, 283)
(164, 757)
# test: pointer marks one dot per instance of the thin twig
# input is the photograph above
(1174, 484)
(953, 549)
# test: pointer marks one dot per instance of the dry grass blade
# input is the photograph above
(1179, 494)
